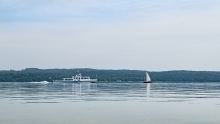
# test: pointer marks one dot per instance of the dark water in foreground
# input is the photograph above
(109, 103)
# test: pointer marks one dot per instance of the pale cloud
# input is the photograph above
(146, 39)
(92, 10)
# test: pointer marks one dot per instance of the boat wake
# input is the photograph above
(41, 82)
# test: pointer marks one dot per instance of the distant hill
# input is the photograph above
(35, 74)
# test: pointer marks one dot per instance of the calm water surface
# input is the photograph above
(109, 103)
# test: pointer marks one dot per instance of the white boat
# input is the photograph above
(148, 80)
(77, 79)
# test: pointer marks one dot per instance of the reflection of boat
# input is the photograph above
(148, 89)
(148, 80)
(77, 89)
(77, 79)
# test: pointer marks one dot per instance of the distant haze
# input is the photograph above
(152, 35)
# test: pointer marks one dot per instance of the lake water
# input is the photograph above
(109, 103)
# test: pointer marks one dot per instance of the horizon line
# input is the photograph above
(104, 69)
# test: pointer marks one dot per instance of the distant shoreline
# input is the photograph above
(178, 76)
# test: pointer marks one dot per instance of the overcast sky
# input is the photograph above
(153, 35)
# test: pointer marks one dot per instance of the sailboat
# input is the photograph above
(148, 80)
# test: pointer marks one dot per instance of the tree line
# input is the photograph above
(35, 74)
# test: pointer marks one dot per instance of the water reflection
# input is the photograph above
(148, 89)
(108, 91)
(77, 88)
(157, 103)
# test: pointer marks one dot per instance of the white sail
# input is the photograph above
(147, 77)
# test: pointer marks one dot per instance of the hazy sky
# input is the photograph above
(152, 35)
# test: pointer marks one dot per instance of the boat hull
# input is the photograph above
(79, 81)
(147, 82)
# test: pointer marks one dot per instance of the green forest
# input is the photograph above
(35, 74)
